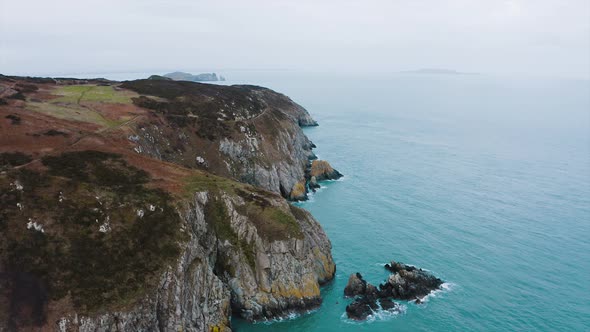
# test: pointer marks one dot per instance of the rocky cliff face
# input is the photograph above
(248, 133)
(237, 269)
(111, 218)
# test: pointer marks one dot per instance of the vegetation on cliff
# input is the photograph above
(87, 229)
(109, 201)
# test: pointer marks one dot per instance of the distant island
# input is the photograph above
(436, 71)
(182, 76)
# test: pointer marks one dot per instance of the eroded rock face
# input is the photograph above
(190, 297)
(256, 274)
(248, 133)
(270, 271)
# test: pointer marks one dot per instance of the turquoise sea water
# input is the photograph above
(483, 180)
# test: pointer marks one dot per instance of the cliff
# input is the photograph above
(248, 133)
(112, 217)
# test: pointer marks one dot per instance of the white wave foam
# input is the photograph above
(384, 315)
(287, 317)
(381, 264)
(377, 315)
(444, 288)
(342, 178)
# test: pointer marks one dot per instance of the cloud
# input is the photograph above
(542, 37)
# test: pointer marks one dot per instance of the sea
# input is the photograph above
(484, 180)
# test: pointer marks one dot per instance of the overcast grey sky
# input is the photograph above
(530, 37)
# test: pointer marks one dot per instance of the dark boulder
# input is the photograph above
(408, 282)
(358, 286)
(388, 304)
(362, 307)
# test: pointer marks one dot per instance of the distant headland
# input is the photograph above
(182, 76)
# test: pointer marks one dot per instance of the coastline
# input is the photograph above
(239, 238)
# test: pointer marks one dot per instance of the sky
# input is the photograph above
(512, 37)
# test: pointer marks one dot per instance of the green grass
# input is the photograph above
(92, 93)
(72, 104)
(218, 219)
(208, 182)
(71, 112)
(272, 223)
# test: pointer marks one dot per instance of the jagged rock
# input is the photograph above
(366, 305)
(361, 308)
(408, 282)
(358, 286)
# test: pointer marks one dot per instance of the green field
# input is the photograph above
(91, 93)
(74, 113)
(75, 104)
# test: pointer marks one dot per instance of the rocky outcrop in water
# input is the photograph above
(408, 282)
(320, 170)
(405, 283)
(367, 298)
